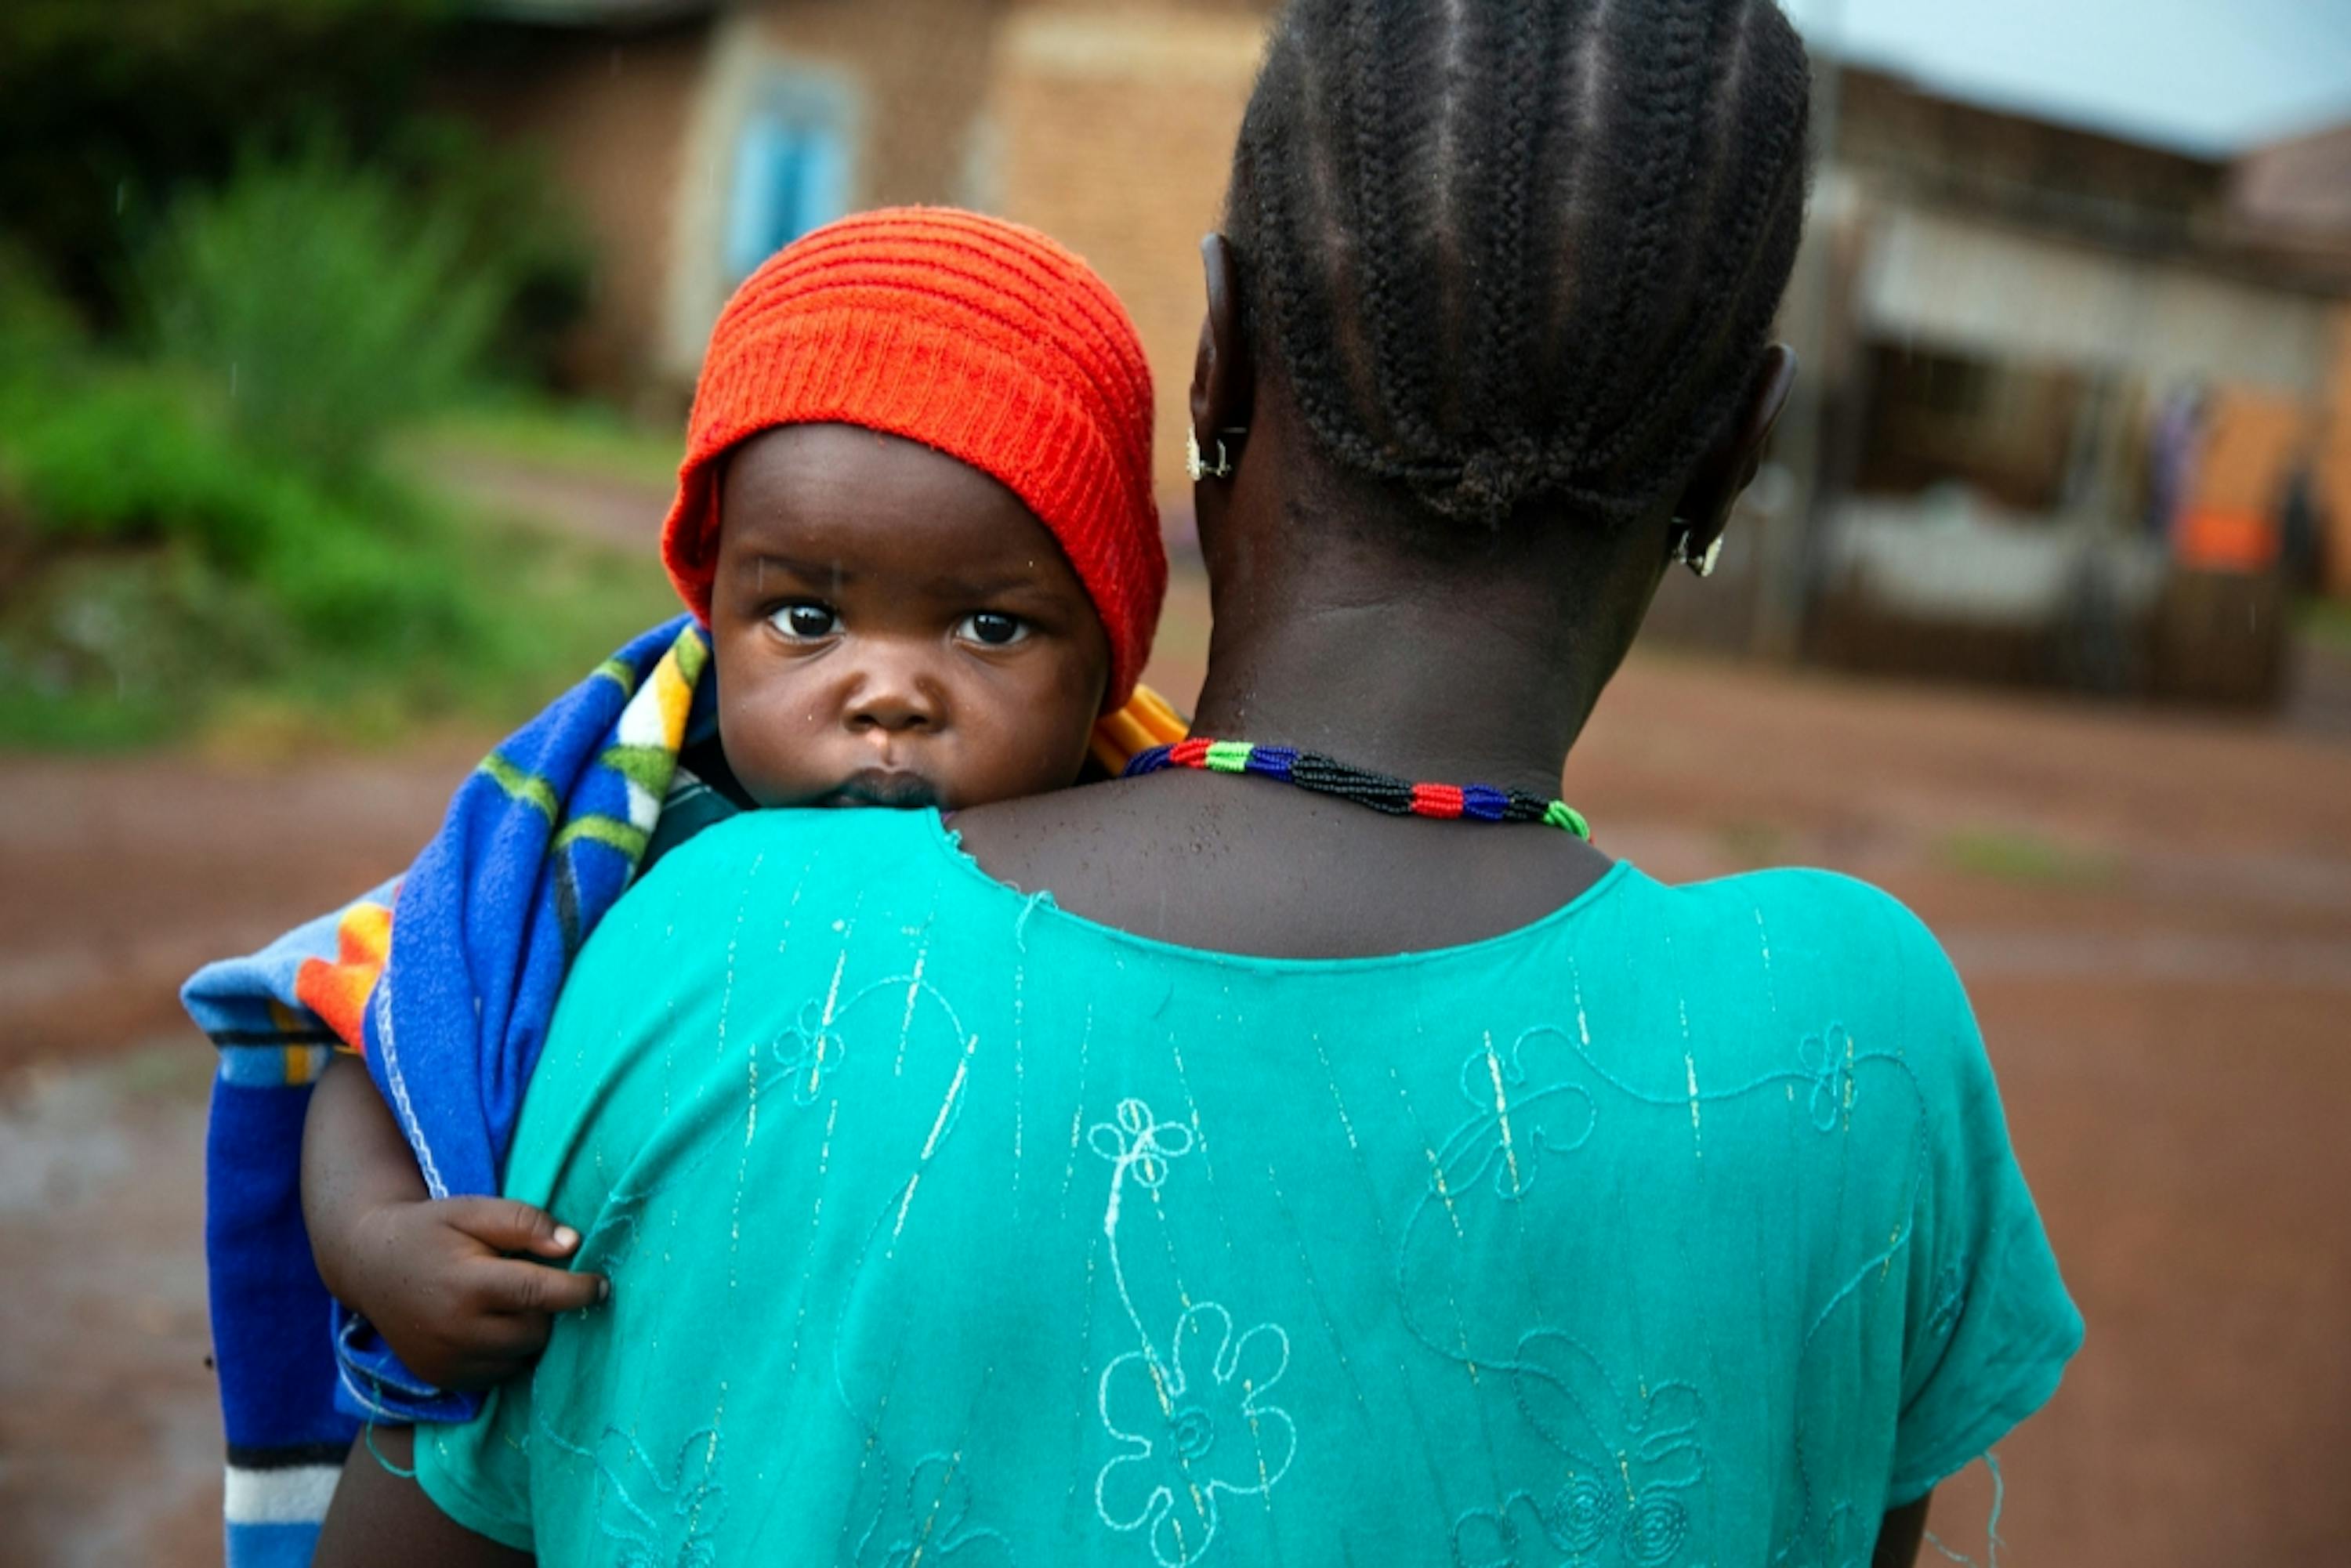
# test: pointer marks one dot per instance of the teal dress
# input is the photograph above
(1679, 1226)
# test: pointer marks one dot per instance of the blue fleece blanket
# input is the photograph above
(449, 999)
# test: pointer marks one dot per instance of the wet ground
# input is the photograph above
(2153, 913)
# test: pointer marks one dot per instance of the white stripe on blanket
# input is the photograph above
(298, 1494)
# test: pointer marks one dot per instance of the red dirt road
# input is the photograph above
(2153, 914)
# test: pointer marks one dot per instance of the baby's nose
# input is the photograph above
(894, 698)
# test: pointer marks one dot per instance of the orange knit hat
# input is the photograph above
(976, 336)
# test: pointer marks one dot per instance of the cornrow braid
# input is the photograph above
(1510, 251)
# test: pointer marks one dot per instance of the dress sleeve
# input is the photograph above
(1990, 1327)
(479, 1473)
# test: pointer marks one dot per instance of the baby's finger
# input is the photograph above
(510, 1227)
(512, 1285)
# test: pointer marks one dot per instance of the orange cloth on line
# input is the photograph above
(2211, 539)
(978, 338)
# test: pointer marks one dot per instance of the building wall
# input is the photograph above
(2335, 464)
(1108, 123)
(2302, 184)
(918, 73)
(608, 114)
(922, 65)
(1912, 142)
(1113, 122)
(1971, 283)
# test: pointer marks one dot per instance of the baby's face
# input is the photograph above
(893, 627)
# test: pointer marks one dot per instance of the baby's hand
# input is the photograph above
(439, 1282)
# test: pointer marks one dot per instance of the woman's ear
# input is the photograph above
(1728, 467)
(1224, 378)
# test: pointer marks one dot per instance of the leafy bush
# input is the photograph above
(519, 228)
(38, 334)
(321, 306)
(158, 568)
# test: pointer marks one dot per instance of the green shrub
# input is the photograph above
(125, 459)
(38, 334)
(519, 227)
(321, 307)
(160, 565)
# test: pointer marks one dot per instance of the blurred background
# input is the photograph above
(344, 351)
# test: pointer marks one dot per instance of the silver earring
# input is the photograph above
(1196, 467)
(1703, 565)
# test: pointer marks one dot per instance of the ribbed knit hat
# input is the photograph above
(980, 337)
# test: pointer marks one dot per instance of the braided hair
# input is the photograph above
(1514, 251)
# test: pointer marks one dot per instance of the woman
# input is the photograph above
(1300, 1181)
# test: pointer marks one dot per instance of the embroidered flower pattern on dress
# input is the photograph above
(806, 1048)
(929, 1521)
(1525, 1103)
(1575, 1527)
(1827, 1062)
(1198, 1427)
(1511, 1536)
(655, 1517)
(1510, 1125)
(813, 1046)
(1192, 1420)
(1139, 1147)
(1633, 1454)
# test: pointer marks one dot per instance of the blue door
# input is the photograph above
(791, 175)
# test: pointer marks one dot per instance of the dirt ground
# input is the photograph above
(2153, 913)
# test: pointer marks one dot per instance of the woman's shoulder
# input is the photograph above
(1816, 914)
(1818, 940)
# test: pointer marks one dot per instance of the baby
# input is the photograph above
(915, 515)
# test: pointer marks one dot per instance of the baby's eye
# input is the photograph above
(805, 621)
(992, 629)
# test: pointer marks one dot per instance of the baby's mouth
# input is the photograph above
(883, 787)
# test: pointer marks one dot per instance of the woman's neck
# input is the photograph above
(1435, 675)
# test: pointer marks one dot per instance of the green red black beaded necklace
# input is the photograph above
(1380, 791)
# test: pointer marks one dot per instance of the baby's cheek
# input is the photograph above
(1055, 727)
(766, 744)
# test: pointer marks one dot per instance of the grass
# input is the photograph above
(2020, 856)
(560, 606)
(204, 524)
(165, 585)
(586, 439)
(2327, 623)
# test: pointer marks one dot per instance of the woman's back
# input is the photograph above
(1675, 1226)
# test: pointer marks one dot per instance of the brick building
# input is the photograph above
(2059, 385)
(696, 136)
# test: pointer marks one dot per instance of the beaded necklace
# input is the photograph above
(1380, 791)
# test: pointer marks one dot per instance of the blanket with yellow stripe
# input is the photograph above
(449, 999)
(445, 980)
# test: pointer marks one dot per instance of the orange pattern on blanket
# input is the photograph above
(338, 991)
